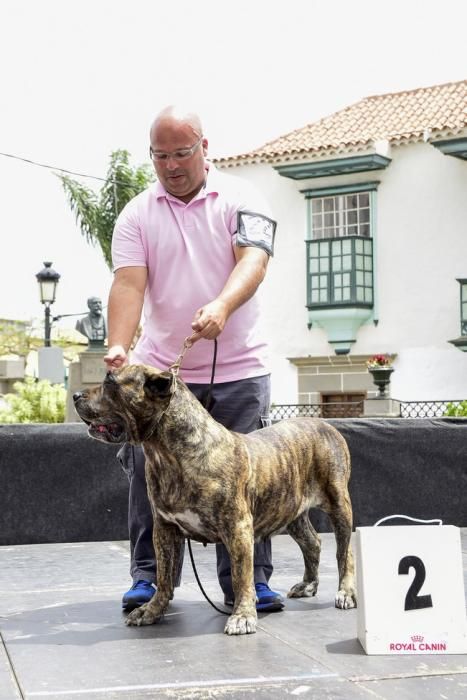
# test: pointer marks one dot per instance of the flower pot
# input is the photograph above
(381, 377)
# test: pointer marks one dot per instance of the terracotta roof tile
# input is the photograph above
(394, 117)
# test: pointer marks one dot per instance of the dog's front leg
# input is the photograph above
(168, 541)
(240, 547)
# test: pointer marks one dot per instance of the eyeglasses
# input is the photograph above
(180, 154)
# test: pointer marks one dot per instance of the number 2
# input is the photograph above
(413, 601)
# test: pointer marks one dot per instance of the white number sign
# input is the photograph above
(410, 590)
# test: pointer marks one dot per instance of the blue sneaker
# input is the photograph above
(140, 592)
(266, 600)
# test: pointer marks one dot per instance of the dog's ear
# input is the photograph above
(159, 385)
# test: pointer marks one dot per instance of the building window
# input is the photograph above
(340, 272)
(340, 247)
(341, 215)
(463, 283)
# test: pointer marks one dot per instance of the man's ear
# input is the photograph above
(159, 385)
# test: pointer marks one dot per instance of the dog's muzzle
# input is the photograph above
(108, 431)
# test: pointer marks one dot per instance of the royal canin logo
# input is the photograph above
(417, 643)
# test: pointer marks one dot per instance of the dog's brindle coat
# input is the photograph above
(213, 485)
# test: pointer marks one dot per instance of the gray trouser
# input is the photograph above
(239, 406)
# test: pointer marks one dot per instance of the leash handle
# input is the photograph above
(407, 517)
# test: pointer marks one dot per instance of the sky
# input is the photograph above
(82, 78)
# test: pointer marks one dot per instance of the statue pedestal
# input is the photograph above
(51, 364)
(88, 371)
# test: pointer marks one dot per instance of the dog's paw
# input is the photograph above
(303, 590)
(345, 600)
(142, 616)
(240, 624)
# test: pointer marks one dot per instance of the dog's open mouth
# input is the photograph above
(109, 432)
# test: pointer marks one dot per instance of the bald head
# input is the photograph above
(177, 116)
(178, 150)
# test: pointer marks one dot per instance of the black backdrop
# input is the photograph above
(58, 485)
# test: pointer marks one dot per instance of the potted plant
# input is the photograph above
(380, 368)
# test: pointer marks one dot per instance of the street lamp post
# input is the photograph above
(48, 280)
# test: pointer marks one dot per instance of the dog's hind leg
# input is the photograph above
(340, 514)
(304, 534)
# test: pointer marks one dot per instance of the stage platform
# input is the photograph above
(64, 637)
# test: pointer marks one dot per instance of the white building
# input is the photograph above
(371, 204)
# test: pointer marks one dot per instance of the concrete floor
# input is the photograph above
(63, 636)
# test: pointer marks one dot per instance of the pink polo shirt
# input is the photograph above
(188, 252)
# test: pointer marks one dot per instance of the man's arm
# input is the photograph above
(124, 312)
(244, 280)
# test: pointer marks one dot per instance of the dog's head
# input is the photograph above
(128, 405)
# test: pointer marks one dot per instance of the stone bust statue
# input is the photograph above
(93, 325)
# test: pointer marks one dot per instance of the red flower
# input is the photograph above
(379, 361)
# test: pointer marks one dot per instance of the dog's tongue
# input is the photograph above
(101, 428)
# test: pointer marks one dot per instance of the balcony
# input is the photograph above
(340, 287)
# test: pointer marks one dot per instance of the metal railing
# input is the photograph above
(408, 409)
(426, 409)
(317, 410)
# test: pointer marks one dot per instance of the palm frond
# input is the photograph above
(96, 214)
(83, 203)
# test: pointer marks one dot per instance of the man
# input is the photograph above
(194, 248)
(93, 325)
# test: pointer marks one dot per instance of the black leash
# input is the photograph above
(223, 612)
(207, 404)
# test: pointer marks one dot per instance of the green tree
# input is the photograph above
(96, 213)
(17, 338)
(458, 410)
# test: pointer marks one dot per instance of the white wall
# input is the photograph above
(420, 249)
(421, 239)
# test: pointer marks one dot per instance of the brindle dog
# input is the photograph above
(213, 485)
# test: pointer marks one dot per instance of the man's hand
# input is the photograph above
(209, 320)
(116, 357)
